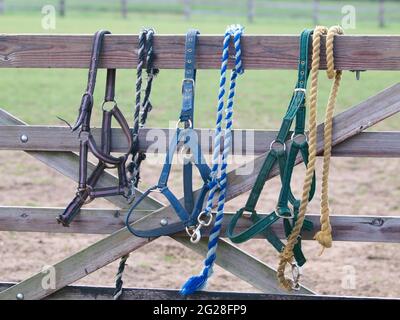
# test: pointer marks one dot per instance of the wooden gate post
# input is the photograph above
(186, 9)
(381, 13)
(251, 6)
(124, 8)
(315, 12)
(1, 6)
(62, 8)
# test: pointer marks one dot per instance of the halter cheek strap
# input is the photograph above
(190, 209)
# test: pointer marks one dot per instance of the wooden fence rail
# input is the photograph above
(358, 228)
(245, 142)
(106, 293)
(259, 52)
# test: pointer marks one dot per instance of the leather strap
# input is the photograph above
(87, 98)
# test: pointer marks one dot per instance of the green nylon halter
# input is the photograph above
(286, 162)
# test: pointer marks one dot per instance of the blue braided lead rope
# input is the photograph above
(198, 282)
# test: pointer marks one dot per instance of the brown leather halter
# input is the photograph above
(87, 190)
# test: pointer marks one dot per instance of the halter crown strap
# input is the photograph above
(110, 85)
(87, 98)
(299, 93)
(190, 76)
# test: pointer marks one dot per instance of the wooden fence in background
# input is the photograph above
(315, 11)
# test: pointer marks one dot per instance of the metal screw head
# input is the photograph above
(164, 222)
(24, 138)
(20, 296)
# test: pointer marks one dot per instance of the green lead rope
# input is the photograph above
(278, 155)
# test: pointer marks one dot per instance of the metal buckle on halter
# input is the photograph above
(88, 189)
(114, 104)
(158, 189)
(275, 141)
(300, 89)
(186, 121)
(188, 80)
(280, 215)
(295, 135)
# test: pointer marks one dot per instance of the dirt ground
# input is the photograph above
(358, 186)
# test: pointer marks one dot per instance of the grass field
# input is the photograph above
(38, 96)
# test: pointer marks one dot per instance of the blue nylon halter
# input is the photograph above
(189, 211)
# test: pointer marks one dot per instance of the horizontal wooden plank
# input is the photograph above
(106, 293)
(362, 228)
(67, 163)
(253, 267)
(245, 142)
(359, 52)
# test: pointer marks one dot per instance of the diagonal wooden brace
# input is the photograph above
(67, 163)
(346, 125)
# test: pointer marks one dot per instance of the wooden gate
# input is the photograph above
(259, 52)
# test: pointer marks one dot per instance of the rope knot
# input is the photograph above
(335, 30)
(324, 238)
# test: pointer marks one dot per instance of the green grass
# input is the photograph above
(38, 96)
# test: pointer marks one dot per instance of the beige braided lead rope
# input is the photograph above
(324, 237)
(286, 257)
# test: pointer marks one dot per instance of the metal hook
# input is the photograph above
(296, 273)
(196, 236)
